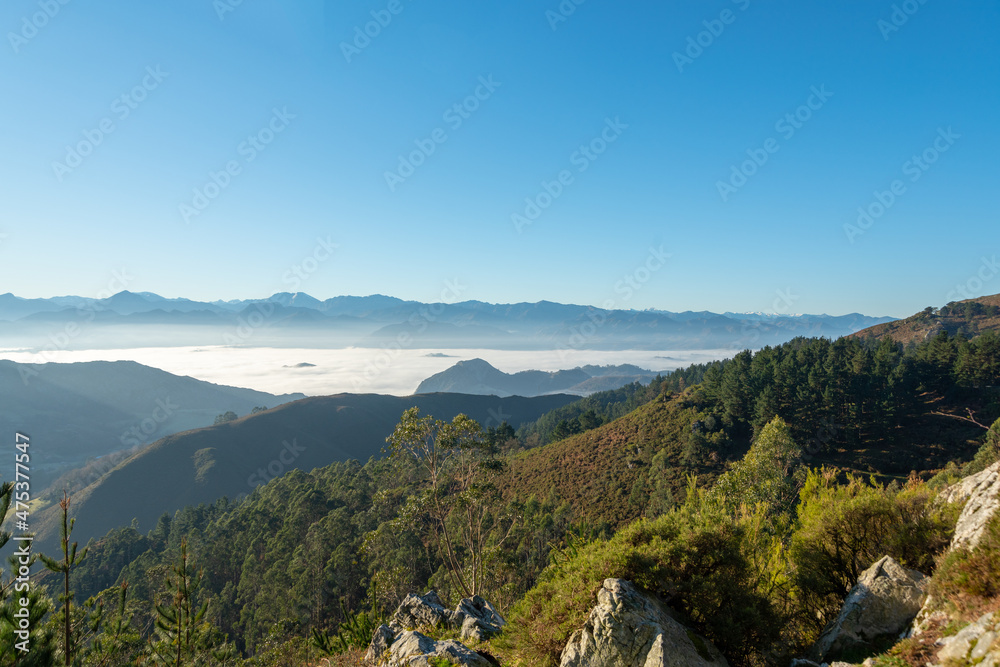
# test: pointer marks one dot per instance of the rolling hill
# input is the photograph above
(230, 459)
(596, 472)
(75, 412)
(970, 317)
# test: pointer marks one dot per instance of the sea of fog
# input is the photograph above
(318, 372)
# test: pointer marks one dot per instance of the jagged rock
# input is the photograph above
(481, 620)
(382, 638)
(630, 629)
(422, 611)
(982, 494)
(880, 606)
(398, 644)
(412, 649)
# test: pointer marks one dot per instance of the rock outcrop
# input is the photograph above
(981, 493)
(975, 644)
(412, 649)
(481, 620)
(399, 644)
(423, 611)
(881, 605)
(630, 629)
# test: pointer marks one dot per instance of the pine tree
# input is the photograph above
(183, 635)
(71, 559)
(115, 642)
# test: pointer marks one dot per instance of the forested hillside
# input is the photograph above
(316, 557)
(231, 458)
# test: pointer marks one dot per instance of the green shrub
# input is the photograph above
(355, 631)
(695, 558)
(844, 528)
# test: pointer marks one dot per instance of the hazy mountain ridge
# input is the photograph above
(83, 410)
(476, 376)
(377, 321)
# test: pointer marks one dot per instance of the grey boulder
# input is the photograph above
(881, 605)
(628, 628)
(399, 643)
(981, 493)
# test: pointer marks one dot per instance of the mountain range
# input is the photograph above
(126, 318)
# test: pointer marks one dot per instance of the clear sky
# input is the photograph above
(116, 115)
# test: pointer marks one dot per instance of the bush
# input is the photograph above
(844, 528)
(695, 558)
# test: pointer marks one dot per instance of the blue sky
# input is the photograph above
(325, 115)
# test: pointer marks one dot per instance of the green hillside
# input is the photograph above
(232, 458)
(614, 472)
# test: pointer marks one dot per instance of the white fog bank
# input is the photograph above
(318, 372)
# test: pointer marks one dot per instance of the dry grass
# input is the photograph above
(352, 658)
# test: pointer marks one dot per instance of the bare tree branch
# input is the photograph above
(971, 418)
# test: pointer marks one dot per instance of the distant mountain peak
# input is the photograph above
(476, 363)
(478, 376)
